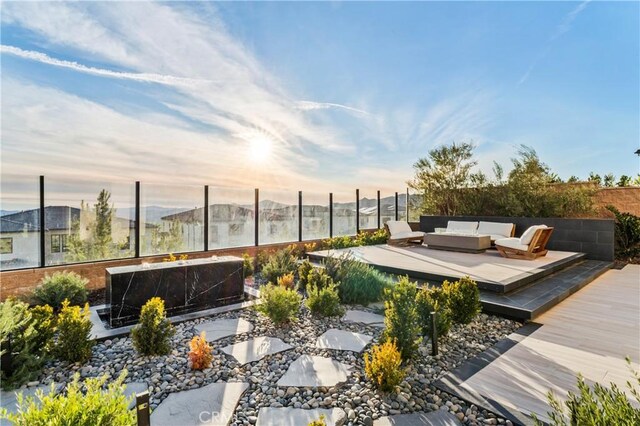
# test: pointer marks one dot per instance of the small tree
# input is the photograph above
(624, 181)
(609, 180)
(103, 240)
(152, 336)
(401, 317)
(595, 178)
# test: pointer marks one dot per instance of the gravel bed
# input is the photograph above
(361, 402)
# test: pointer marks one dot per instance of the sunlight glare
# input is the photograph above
(260, 148)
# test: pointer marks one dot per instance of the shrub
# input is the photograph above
(627, 234)
(463, 298)
(86, 404)
(279, 304)
(372, 238)
(152, 335)
(598, 406)
(280, 263)
(287, 281)
(359, 282)
(74, 333)
(384, 366)
(200, 352)
(336, 243)
(324, 301)
(247, 265)
(54, 289)
(172, 257)
(319, 278)
(44, 325)
(319, 422)
(433, 300)
(309, 247)
(401, 317)
(303, 273)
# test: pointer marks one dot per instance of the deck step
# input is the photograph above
(535, 298)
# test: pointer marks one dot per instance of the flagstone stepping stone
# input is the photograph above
(364, 317)
(134, 388)
(255, 349)
(216, 330)
(343, 340)
(434, 418)
(315, 371)
(268, 416)
(213, 404)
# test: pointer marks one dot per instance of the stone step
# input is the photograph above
(434, 418)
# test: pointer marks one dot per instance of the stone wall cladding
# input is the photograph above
(626, 199)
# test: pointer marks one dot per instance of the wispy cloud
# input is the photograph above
(310, 106)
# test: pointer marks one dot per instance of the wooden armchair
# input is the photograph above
(530, 246)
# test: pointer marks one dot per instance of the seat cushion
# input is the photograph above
(497, 230)
(397, 226)
(527, 236)
(405, 235)
(462, 227)
(513, 243)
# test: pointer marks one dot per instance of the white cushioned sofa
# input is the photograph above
(496, 230)
(400, 232)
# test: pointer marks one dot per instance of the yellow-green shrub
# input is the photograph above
(152, 335)
(287, 281)
(303, 273)
(384, 366)
(74, 333)
(401, 318)
(319, 422)
(433, 299)
(200, 352)
(463, 298)
(54, 289)
(280, 304)
(324, 301)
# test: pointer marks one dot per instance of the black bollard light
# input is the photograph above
(142, 409)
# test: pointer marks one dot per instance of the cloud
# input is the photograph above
(310, 106)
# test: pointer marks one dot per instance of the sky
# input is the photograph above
(316, 96)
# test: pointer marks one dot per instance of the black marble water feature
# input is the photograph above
(185, 286)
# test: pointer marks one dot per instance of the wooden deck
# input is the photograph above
(590, 333)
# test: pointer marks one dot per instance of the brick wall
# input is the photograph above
(625, 199)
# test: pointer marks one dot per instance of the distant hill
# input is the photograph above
(6, 212)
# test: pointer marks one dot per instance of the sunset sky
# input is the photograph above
(313, 96)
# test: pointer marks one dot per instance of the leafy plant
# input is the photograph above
(319, 422)
(200, 352)
(74, 333)
(44, 325)
(598, 406)
(433, 299)
(247, 265)
(53, 289)
(627, 234)
(324, 301)
(319, 278)
(287, 281)
(152, 335)
(463, 299)
(304, 268)
(372, 238)
(309, 247)
(340, 242)
(401, 317)
(280, 263)
(384, 366)
(279, 304)
(86, 404)
(173, 258)
(359, 282)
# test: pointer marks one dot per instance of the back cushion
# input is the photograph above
(495, 228)
(527, 236)
(460, 226)
(397, 226)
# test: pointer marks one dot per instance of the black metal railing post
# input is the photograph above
(378, 194)
(434, 333)
(331, 215)
(299, 215)
(396, 209)
(43, 228)
(407, 205)
(206, 218)
(357, 211)
(137, 221)
(143, 412)
(257, 215)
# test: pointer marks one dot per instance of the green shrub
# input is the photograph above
(384, 367)
(336, 243)
(598, 406)
(319, 422)
(319, 278)
(152, 335)
(247, 265)
(54, 289)
(30, 332)
(86, 404)
(372, 238)
(433, 299)
(359, 282)
(463, 298)
(74, 333)
(303, 273)
(279, 304)
(324, 301)
(627, 234)
(401, 317)
(280, 263)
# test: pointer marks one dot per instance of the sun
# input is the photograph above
(260, 147)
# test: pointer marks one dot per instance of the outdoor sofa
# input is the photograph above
(400, 233)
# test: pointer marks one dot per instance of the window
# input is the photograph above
(213, 234)
(126, 244)
(236, 229)
(59, 243)
(6, 245)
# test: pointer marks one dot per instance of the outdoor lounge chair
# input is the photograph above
(531, 245)
(400, 233)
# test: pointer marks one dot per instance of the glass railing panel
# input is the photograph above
(402, 205)
(315, 215)
(231, 217)
(368, 210)
(415, 206)
(387, 207)
(88, 220)
(344, 213)
(278, 217)
(171, 219)
(19, 222)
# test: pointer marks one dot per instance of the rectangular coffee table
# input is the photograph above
(458, 242)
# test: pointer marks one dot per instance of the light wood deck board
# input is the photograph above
(590, 333)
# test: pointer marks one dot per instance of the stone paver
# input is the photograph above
(364, 317)
(255, 349)
(290, 416)
(8, 399)
(134, 388)
(435, 418)
(343, 340)
(210, 405)
(218, 329)
(315, 371)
